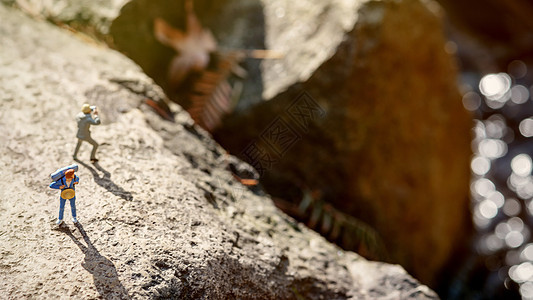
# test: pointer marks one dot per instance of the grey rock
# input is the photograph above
(160, 215)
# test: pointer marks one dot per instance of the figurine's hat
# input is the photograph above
(85, 108)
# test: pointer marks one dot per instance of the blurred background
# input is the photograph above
(398, 129)
(493, 43)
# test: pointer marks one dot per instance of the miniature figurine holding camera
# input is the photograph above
(85, 120)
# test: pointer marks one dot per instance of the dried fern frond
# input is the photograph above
(204, 83)
(346, 230)
(211, 95)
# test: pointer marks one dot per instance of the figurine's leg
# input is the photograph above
(73, 207)
(77, 149)
(61, 208)
(95, 146)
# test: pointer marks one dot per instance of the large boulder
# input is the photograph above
(366, 112)
(160, 214)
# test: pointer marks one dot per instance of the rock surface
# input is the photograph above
(154, 222)
(391, 145)
(95, 15)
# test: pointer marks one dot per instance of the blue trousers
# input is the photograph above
(62, 207)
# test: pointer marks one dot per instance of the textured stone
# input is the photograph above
(154, 222)
(393, 146)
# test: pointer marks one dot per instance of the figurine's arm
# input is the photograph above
(76, 180)
(57, 185)
(95, 121)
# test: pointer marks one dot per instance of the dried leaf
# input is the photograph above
(193, 46)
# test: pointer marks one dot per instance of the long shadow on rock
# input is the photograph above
(103, 270)
(105, 181)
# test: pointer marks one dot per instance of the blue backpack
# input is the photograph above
(60, 173)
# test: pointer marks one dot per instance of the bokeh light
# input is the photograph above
(526, 290)
(502, 230)
(483, 187)
(519, 94)
(522, 272)
(492, 148)
(495, 86)
(521, 165)
(495, 127)
(480, 165)
(526, 127)
(493, 243)
(514, 239)
(527, 253)
(511, 207)
(502, 180)
(487, 209)
(517, 69)
(497, 198)
(471, 101)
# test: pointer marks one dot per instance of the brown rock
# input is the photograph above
(393, 145)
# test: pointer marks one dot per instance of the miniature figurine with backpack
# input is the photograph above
(65, 180)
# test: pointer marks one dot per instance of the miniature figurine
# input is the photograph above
(85, 120)
(65, 180)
